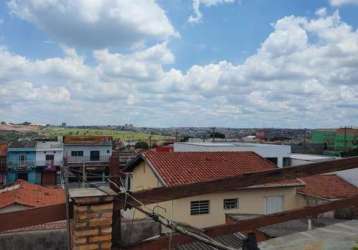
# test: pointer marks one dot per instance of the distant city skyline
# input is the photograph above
(180, 63)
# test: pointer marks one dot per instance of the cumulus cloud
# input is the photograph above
(342, 2)
(197, 15)
(97, 24)
(305, 73)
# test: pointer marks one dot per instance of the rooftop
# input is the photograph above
(342, 236)
(178, 168)
(3, 150)
(22, 144)
(328, 186)
(232, 144)
(310, 157)
(30, 195)
(87, 140)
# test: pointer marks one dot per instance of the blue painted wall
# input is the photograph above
(13, 161)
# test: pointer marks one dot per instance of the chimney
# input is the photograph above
(91, 226)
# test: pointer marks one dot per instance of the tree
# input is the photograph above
(217, 135)
(141, 145)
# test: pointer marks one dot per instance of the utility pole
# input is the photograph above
(213, 134)
(84, 177)
(345, 139)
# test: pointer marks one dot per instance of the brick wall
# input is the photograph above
(91, 227)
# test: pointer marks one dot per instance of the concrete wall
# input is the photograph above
(35, 240)
(264, 150)
(251, 201)
(13, 208)
(49, 148)
(138, 230)
(104, 151)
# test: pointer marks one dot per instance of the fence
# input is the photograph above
(42, 215)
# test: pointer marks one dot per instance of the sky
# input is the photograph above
(171, 63)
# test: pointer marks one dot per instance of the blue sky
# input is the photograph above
(180, 63)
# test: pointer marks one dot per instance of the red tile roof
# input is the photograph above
(87, 140)
(178, 168)
(3, 150)
(42, 227)
(327, 187)
(30, 195)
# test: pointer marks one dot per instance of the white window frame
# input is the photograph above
(231, 206)
(275, 196)
(199, 207)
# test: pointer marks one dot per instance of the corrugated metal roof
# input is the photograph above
(232, 240)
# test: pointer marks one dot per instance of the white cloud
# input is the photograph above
(342, 2)
(197, 15)
(304, 74)
(97, 24)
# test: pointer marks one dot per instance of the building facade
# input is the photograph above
(49, 159)
(21, 162)
(3, 165)
(88, 154)
(158, 169)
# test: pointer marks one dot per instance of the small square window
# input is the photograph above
(76, 153)
(199, 207)
(231, 203)
(50, 157)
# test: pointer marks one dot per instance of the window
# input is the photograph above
(50, 157)
(286, 161)
(231, 203)
(22, 158)
(94, 155)
(199, 207)
(272, 159)
(76, 153)
(274, 204)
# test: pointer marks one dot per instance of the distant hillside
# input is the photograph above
(116, 134)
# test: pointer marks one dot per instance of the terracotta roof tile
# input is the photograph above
(178, 168)
(328, 187)
(3, 150)
(87, 140)
(31, 195)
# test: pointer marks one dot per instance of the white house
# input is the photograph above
(350, 175)
(302, 159)
(49, 153)
(90, 149)
(48, 160)
(278, 154)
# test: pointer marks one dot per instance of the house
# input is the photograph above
(91, 153)
(85, 149)
(278, 154)
(302, 159)
(21, 162)
(167, 169)
(49, 159)
(350, 175)
(3, 168)
(24, 195)
(319, 189)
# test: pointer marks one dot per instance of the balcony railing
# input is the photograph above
(87, 159)
(21, 166)
(49, 163)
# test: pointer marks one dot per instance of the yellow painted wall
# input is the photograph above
(144, 178)
(251, 201)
